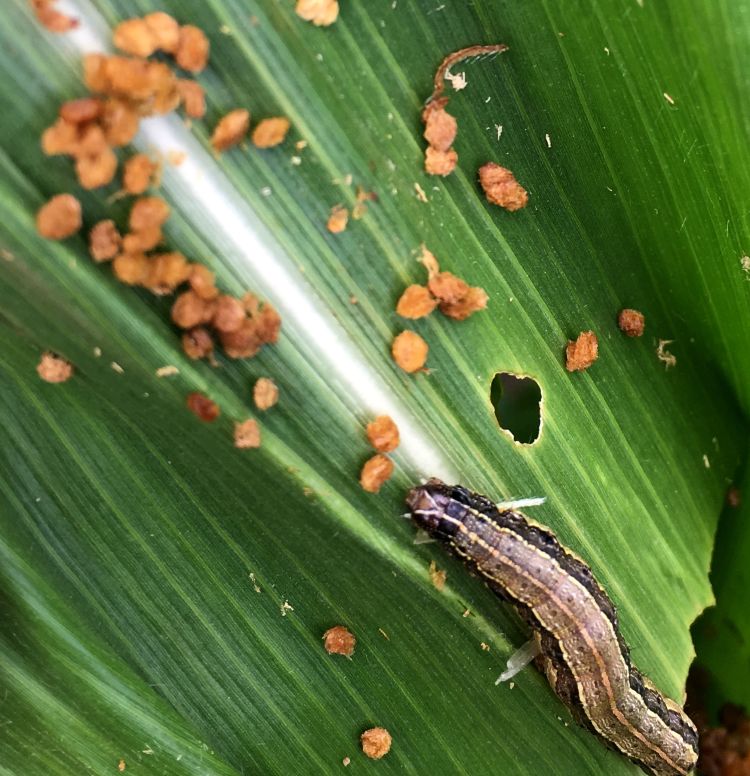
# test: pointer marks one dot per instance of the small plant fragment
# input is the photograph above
(383, 434)
(440, 126)
(265, 393)
(581, 353)
(270, 132)
(53, 368)
(437, 576)
(230, 130)
(339, 641)
(667, 358)
(121, 765)
(409, 351)
(501, 187)
(322, 13)
(50, 18)
(376, 742)
(631, 322)
(202, 407)
(375, 473)
(59, 218)
(104, 241)
(247, 434)
(338, 219)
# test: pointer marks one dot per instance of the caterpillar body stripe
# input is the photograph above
(582, 651)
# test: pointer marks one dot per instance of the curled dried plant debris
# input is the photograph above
(230, 130)
(501, 187)
(667, 358)
(581, 353)
(383, 434)
(53, 368)
(270, 132)
(409, 351)
(338, 219)
(631, 322)
(375, 473)
(339, 640)
(60, 217)
(440, 126)
(202, 407)
(437, 576)
(376, 742)
(322, 13)
(265, 393)
(247, 434)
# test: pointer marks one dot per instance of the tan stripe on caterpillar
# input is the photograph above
(583, 653)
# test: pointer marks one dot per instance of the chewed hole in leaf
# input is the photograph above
(517, 401)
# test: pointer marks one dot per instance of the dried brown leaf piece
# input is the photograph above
(501, 187)
(376, 742)
(270, 132)
(383, 434)
(321, 13)
(339, 641)
(415, 302)
(409, 351)
(247, 434)
(230, 130)
(192, 49)
(375, 473)
(104, 241)
(581, 353)
(265, 393)
(631, 322)
(59, 218)
(202, 407)
(53, 368)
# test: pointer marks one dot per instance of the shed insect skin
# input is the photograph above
(583, 653)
